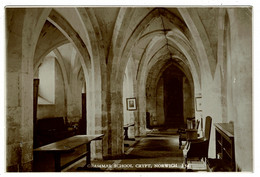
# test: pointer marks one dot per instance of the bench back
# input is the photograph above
(54, 123)
(208, 127)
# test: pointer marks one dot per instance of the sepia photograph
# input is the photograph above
(128, 88)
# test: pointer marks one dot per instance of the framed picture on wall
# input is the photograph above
(131, 104)
(198, 103)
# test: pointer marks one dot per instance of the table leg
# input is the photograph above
(88, 155)
(88, 160)
(180, 143)
(185, 153)
(57, 162)
(126, 133)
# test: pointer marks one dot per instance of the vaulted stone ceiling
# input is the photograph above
(112, 35)
(49, 39)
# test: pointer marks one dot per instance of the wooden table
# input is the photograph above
(67, 145)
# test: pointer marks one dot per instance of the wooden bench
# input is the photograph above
(126, 131)
(68, 145)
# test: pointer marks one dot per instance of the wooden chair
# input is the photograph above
(192, 126)
(199, 147)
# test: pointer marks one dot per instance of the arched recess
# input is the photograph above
(92, 77)
(155, 91)
(177, 49)
(61, 64)
(52, 73)
(69, 62)
(46, 43)
(155, 64)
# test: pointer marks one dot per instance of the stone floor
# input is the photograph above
(158, 152)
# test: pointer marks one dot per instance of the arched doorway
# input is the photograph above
(169, 95)
(173, 97)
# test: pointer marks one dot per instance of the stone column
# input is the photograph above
(241, 85)
(19, 122)
(19, 100)
(23, 29)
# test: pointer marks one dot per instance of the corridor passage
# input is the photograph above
(154, 153)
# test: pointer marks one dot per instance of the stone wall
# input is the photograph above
(241, 74)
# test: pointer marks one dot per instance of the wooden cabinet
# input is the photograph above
(225, 143)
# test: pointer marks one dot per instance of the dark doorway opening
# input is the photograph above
(83, 120)
(173, 97)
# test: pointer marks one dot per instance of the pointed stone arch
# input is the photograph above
(92, 30)
(153, 78)
(67, 30)
(206, 60)
(124, 38)
(90, 61)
